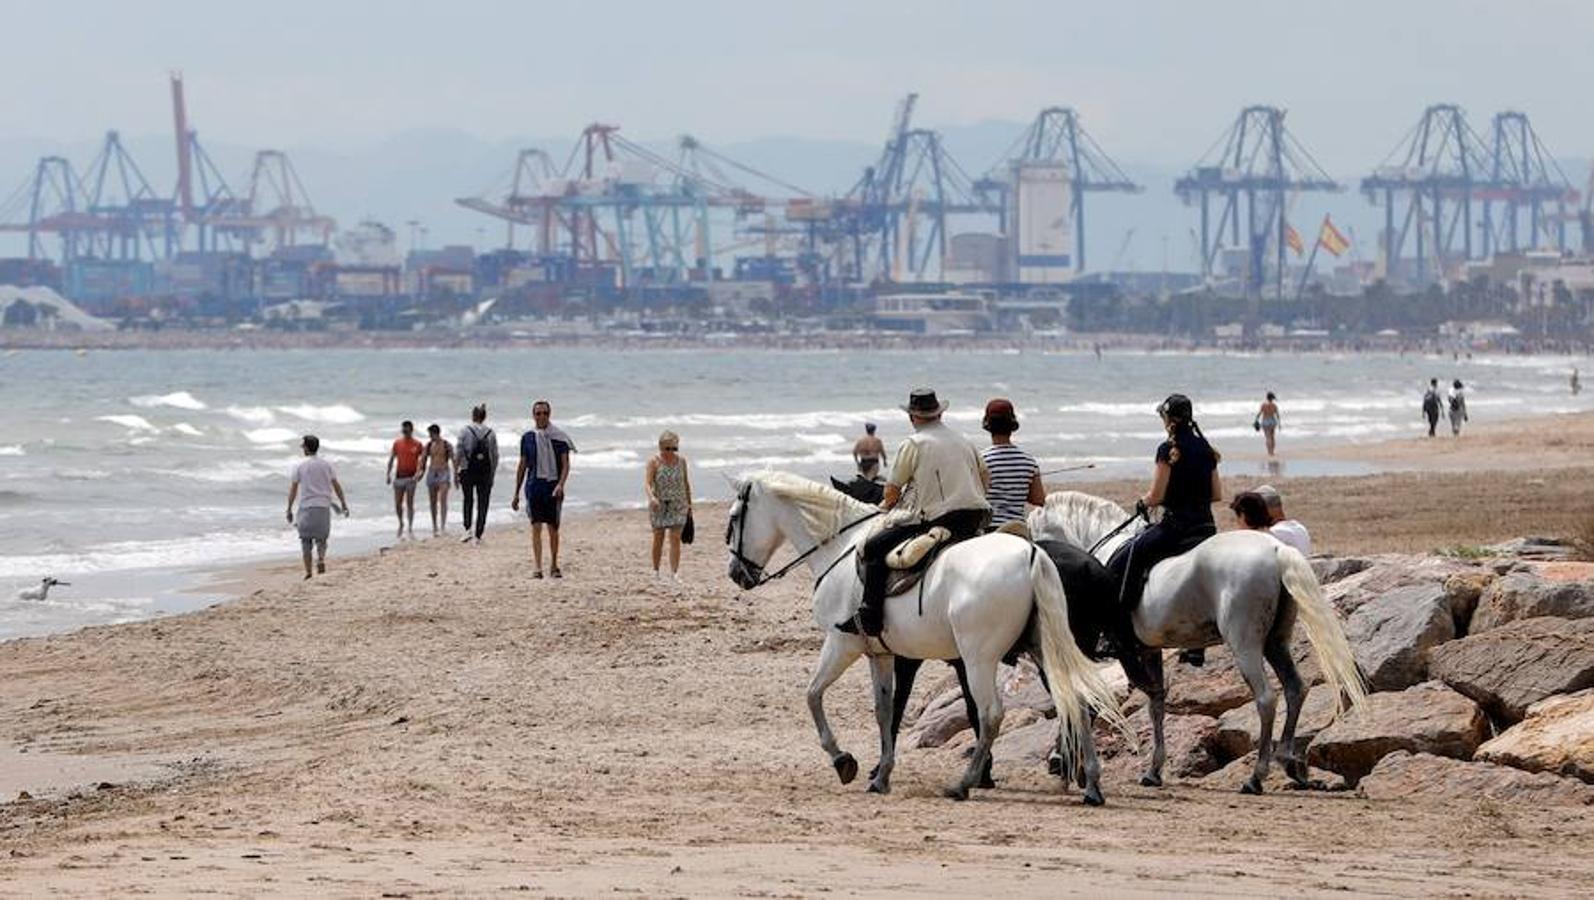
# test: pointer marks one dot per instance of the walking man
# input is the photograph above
(476, 456)
(439, 474)
(406, 453)
(545, 457)
(1430, 405)
(1015, 476)
(314, 483)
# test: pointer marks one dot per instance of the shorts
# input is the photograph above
(438, 478)
(314, 523)
(405, 485)
(542, 508)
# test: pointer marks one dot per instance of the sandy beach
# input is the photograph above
(429, 720)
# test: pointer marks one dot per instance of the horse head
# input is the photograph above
(752, 533)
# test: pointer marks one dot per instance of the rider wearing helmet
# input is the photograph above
(943, 479)
(1185, 485)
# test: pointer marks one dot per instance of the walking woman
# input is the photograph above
(1268, 421)
(669, 490)
(1458, 406)
(1185, 483)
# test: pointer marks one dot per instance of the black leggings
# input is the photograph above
(476, 493)
(1168, 537)
(963, 523)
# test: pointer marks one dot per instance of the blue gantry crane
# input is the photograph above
(1250, 174)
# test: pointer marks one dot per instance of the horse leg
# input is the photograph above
(907, 670)
(882, 672)
(986, 781)
(1156, 689)
(988, 702)
(1278, 655)
(1090, 770)
(1249, 660)
(839, 652)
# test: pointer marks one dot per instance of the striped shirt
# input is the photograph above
(1012, 470)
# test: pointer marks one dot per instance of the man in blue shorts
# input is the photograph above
(544, 467)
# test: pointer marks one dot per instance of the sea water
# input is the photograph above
(127, 473)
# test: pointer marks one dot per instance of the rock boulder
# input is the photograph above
(1427, 718)
(1509, 668)
(1557, 736)
(1237, 728)
(1191, 742)
(1523, 595)
(1393, 635)
(1402, 776)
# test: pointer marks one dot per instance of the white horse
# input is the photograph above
(1240, 588)
(980, 598)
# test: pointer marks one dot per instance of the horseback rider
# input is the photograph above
(1185, 485)
(943, 479)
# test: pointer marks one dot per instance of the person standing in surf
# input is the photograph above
(1185, 483)
(1430, 405)
(868, 453)
(476, 459)
(314, 484)
(669, 490)
(1458, 407)
(406, 453)
(1268, 421)
(544, 457)
(438, 475)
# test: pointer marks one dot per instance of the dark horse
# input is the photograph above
(1099, 628)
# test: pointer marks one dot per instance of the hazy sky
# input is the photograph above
(1156, 81)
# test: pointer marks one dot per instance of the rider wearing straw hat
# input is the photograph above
(937, 479)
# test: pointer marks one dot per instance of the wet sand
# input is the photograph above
(431, 720)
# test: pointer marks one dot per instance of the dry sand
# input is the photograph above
(430, 720)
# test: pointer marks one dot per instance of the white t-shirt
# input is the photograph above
(1293, 533)
(314, 477)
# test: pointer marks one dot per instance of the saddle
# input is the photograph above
(909, 560)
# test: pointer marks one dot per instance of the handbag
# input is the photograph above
(689, 530)
(1256, 423)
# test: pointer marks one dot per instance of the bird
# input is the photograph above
(42, 591)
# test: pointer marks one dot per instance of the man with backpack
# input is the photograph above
(1430, 405)
(476, 455)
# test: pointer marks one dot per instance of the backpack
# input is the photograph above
(479, 459)
(1455, 402)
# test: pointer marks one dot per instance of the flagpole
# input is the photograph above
(1310, 259)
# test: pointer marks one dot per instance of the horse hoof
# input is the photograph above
(1253, 785)
(987, 783)
(1054, 765)
(874, 773)
(1297, 772)
(879, 787)
(846, 767)
(1093, 796)
(1151, 781)
(956, 792)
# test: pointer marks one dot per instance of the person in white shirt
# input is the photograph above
(1285, 529)
(314, 483)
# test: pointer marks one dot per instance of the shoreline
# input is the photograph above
(540, 335)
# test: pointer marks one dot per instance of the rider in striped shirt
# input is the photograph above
(1015, 476)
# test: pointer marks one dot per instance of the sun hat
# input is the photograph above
(923, 402)
(1000, 417)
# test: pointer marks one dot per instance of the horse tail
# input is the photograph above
(1323, 630)
(1076, 684)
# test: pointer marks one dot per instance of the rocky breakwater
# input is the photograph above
(1482, 671)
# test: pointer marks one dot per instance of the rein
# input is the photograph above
(1137, 514)
(764, 578)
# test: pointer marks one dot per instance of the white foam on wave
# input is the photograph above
(822, 440)
(335, 414)
(820, 458)
(252, 415)
(128, 421)
(805, 420)
(616, 458)
(271, 435)
(229, 472)
(185, 428)
(374, 446)
(176, 399)
(12, 450)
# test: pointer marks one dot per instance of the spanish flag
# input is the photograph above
(1293, 239)
(1331, 240)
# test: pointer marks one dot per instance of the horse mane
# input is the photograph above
(824, 510)
(1076, 518)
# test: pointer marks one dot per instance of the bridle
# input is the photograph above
(760, 577)
(1139, 513)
